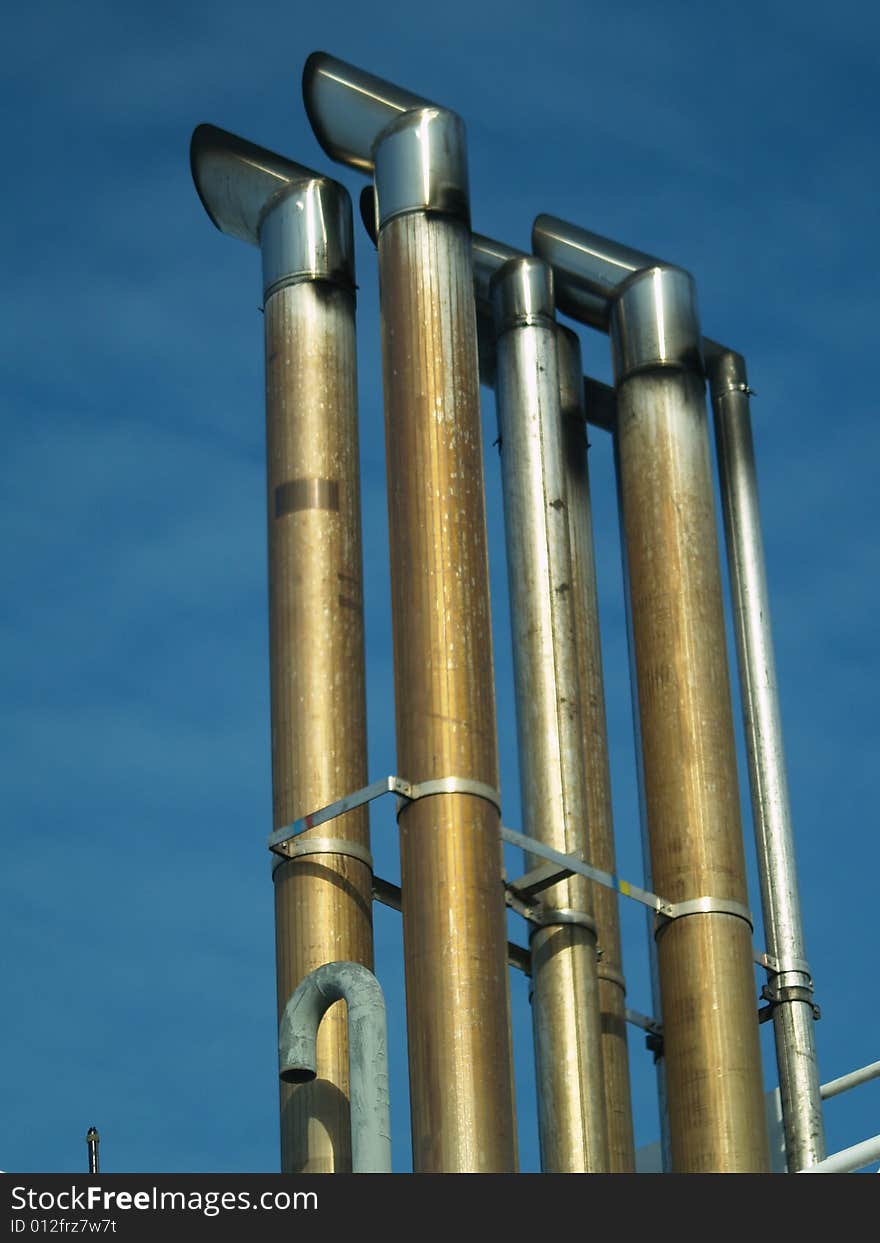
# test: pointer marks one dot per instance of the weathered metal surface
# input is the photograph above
(455, 945)
(322, 901)
(565, 986)
(600, 823)
(713, 1062)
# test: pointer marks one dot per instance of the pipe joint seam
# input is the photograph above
(521, 292)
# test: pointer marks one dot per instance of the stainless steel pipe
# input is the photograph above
(712, 1053)
(323, 900)
(455, 947)
(565, 985)
(600, 821)
(790, 991)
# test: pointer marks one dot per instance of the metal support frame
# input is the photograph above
(520, 892)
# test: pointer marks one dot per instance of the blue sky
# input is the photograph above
(135, 912)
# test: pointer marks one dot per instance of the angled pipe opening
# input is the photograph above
(299, 218)
(349, 108)
(647, 306)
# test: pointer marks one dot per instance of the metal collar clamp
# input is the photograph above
(410, 792)
(551, 917)
(322, 846)
(670, 911)
(281, 842)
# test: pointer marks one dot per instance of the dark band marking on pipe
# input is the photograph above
(347, 603)
(298, 494)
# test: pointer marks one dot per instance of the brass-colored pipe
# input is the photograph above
(600, 823)
(322, 902)
(714, 1090)
(455, 946)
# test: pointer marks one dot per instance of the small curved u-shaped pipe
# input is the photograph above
(367, 1053)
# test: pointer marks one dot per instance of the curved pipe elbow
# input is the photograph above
(367, 1052)
(350, 982)
(349, 108)
(647, 306)
(300, 219)
(237, 181)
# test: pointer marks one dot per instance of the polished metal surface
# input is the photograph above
(354, 984)
(565, 998)
(588, 269)
(712, 1054)
(421, 165)
(771, 813)
(522, 295)
(307, 235)
(654, 323)
(349, 108)
(300, 219)
(322, 901)
(236, 179)
(647, 306)
(591, 694)
(455, 945)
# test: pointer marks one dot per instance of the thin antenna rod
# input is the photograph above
(93, 1139)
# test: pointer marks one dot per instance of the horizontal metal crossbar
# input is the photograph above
(572, 864)
(409, 790)
(520, 891)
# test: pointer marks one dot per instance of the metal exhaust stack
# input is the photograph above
(450, 845)
(712, 1053)
(323, 899)
(790, 991)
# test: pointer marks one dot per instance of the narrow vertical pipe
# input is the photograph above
(791, 990)
(550, 726)
(323, 900)
(599, 819)
(712, 1052)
